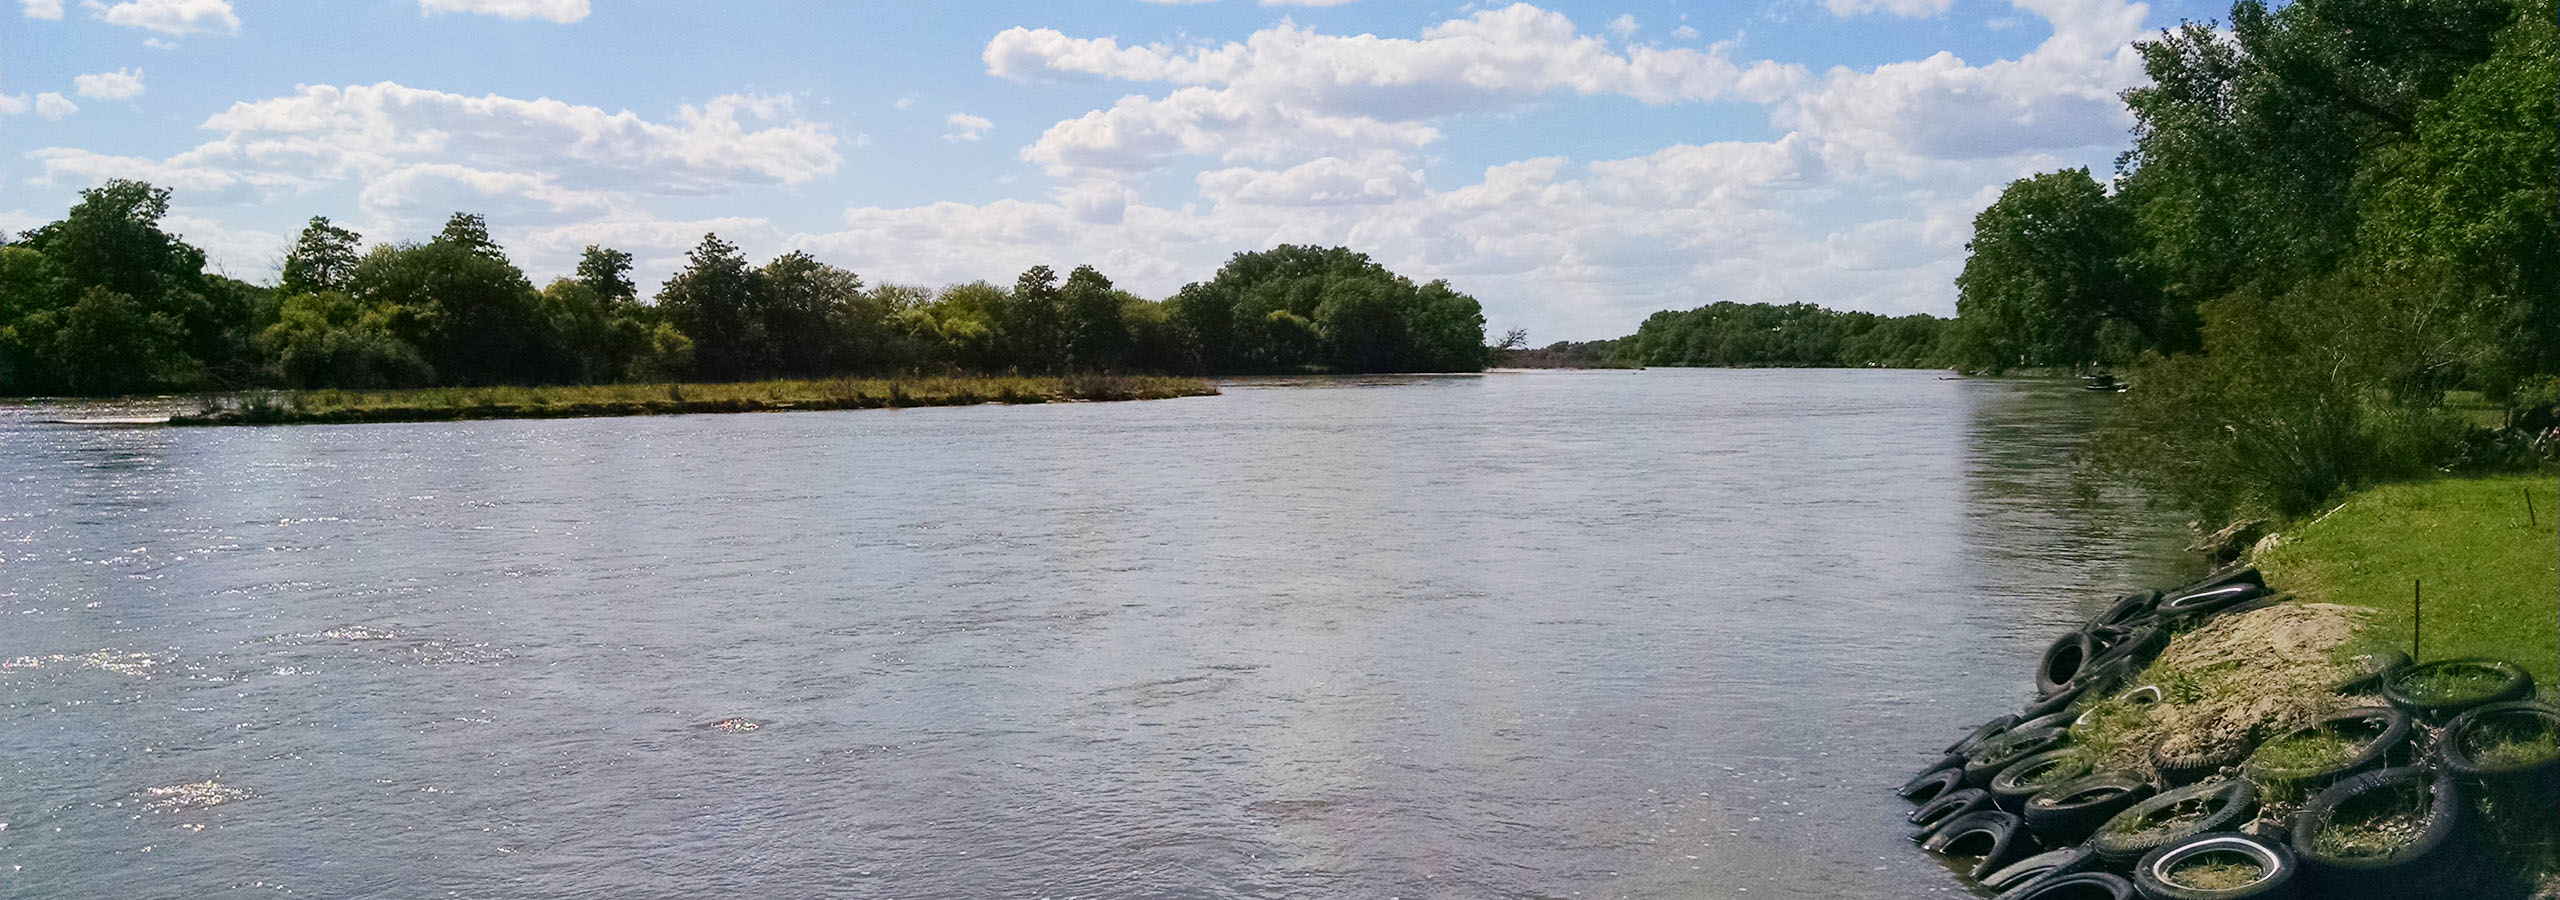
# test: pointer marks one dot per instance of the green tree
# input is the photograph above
(802, 302)
(2047, 268)
(712, 300)
(1097, 339)
(323, 258)
(607, 272)
(461, 303)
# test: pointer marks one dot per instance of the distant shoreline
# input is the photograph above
(328, 407)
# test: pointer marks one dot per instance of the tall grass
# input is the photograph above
(506, 402)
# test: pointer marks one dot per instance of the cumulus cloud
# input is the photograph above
(52, 105)
(170, 17)
(121, 84)
(50, 10)
(966, 127)
(2060, 95)
(561, 11)
(12, 104)
(728, 140)
(1290, 93)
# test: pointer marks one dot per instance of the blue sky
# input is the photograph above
(1574, 165)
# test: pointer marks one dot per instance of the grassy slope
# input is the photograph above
(2492, 582)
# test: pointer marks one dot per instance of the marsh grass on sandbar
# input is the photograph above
(441, 404)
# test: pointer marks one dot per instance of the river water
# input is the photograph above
(1667, 633)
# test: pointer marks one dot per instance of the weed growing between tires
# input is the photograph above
(2511, 741)
(2318, 748)
(2450, 683)
(2174, 818)
(2220, 870)
(2378, 824)
(2226, 681)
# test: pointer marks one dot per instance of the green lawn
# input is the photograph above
(2492, 581)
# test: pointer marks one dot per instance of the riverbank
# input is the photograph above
(2277, 715)
(2483, 554)
(576, 401)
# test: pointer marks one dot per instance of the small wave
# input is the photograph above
(191, 796)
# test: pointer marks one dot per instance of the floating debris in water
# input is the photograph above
(191, 796)
(735, 723)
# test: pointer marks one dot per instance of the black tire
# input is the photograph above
(2178, 769)
(2156, 876)
(2369, 671)
(2039, 723)
(1921, 780)
(2426, 866)
(2123, 840)
(1932, 785)
(2190, 606)
(2262, 601)
(2002, 837)
(2534, 782)
(2030, 776)
(2511, 684)
(2068, 813)
(2049, 864)
(2093, 683)
(2229, 575)
(2390, 728)
(1947, 808)
(2127, 609)
(2062, 661)
(2003, 751)
(1980, 733)
(2136, 647)
(2077, 886)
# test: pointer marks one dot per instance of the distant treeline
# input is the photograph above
(105, 302)
(1753, 335)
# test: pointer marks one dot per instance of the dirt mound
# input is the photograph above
(2231, 680)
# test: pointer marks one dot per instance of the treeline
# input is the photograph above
(1748, 335)
(105, 302)
(2332, 238)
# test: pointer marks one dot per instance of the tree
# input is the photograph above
(323, 258)
(1032, 322)
(801, 301)
(469, 232)
(112, 239)
(109, 344)
(608, 273)
(462, 304)
(712, 301)
(1097, 340)
(2047, 269)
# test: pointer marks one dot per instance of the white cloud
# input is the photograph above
(1685, 33)
(1909, 9)
(1290, 93)
(170, 17)
(561, 11)
(1307, 2)
(1623, 27)
(12, 104)
(50, 10)
(54, 106)
(904, 102)
(727, 141)
(966, 127)
(2059, 96)
(121, 84)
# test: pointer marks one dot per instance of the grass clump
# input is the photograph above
(2173, 818)
(2511, 741)
(2377, 824)
(2490, 576)
(2218, 870)
(2450, 683)
(2316, 748)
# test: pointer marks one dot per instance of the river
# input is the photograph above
(1669, 633)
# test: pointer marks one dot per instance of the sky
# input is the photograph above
(1575, 166)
